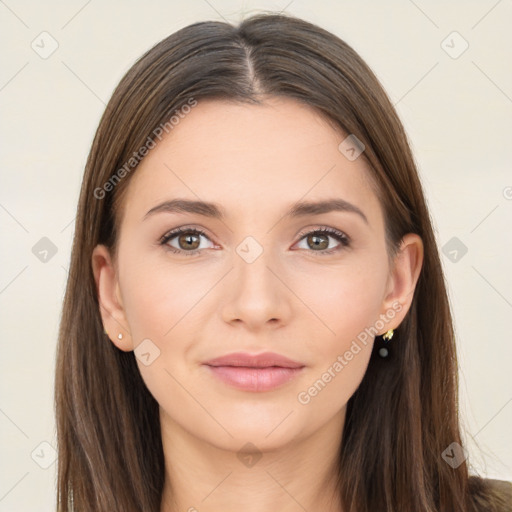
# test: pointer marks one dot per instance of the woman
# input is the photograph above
(256, 316)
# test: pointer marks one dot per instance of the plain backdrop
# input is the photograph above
(446, 67)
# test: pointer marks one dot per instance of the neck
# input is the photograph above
(301, 475)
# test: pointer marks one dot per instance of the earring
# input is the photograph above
(383, 350)
(120, 336)
(388, 335)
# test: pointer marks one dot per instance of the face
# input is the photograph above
(256, 279)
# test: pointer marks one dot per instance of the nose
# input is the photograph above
(256, 294)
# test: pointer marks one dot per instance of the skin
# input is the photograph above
(255, 161)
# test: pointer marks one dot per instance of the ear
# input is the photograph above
(403, 278)
(109, 298)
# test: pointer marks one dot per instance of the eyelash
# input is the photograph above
(338, 235)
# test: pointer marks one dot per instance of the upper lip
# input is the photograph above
(263, 360)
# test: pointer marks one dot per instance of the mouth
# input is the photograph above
(256, 373)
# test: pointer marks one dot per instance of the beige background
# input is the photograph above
(458, 114)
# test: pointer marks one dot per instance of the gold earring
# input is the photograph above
(388, 335)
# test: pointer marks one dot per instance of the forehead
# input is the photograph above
(248, 156)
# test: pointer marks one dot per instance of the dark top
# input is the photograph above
(490, 495)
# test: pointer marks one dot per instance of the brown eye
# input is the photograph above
(188, 240)
(319, 240)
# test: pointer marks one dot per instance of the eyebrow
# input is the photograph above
(214, 210)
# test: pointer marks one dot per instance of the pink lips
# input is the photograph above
(260, 372)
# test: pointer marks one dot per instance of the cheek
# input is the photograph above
(160, 299)
(346, 302)
(330, 305)
(343, 301)
(347, 306)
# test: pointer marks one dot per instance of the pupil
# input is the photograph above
(317, 241)
(189, 240)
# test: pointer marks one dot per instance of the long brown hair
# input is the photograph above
(405, 412)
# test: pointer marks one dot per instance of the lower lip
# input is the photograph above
(255, 379)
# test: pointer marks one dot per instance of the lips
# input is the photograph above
(264, 360)
(254, 372)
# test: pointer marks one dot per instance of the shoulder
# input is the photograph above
(490, 495)
(502, 487)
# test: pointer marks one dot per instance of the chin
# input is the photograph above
(267, 426)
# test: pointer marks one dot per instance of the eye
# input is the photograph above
(319, 239)
(188, 238)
